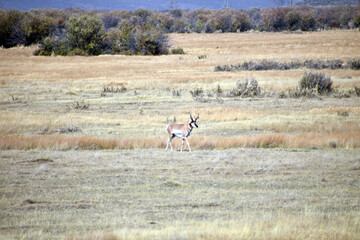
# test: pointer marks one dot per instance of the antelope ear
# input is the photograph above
(190, 119)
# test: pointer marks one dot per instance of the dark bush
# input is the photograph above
(274, 18)
(308, 22)
(177, 51)
(82, 36)
(110, 20)
(11, 29)
(354, 64)
(316, 81)
(320, 64)
(263, 65)
(37, 28)
(46, 48)
(224, 68)
(292, 20)
(357, 91)
(357, 20)
(143, 39)
(240, 22)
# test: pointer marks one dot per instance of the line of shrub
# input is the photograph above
(34, 26)
(310, 85)
(264, 65)
(86, 35)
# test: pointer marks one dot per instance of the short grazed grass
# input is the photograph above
(82, 143)
(149, 194)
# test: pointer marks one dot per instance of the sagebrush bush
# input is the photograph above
(198, 92)
(265, 65)
(112, 89)
(320, 64)
(177, 51)
(246, 89)
(316, 81)
(80, 105)
(357, 91)
(354, 64)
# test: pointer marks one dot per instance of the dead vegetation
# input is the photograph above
(82, 142)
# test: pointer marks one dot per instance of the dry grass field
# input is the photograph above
(82, 144)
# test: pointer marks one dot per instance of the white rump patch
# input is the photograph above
(177, 133)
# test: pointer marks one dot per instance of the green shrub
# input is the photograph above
(316, 81)
(82, 36)
(46, 48)
(37, 28)
(84, 33)
(142, 39)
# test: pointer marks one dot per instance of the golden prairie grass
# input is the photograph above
(283, 226)
(336, 137)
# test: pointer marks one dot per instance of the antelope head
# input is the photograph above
(192, 121)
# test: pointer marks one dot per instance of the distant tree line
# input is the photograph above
(78, 32)
(327, 2)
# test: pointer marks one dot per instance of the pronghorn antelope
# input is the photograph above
(181, 131)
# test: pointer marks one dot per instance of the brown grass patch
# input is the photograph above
(283, 226)
(350, 139)
(334, 110)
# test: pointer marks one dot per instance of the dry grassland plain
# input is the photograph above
(82, 144)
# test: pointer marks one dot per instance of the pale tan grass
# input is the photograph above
(150, 194)
(146, 72)
(254, 46)
(282, 226)
(350, 139)
(335, 110)
(82, 142)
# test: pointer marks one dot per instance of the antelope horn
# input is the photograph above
(197, 117)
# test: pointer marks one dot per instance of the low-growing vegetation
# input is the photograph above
(83, 158)
(246, 89)
(317, 81)
(265, 65)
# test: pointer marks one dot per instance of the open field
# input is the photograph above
(45, 98)
(149, 194)
(82, 144)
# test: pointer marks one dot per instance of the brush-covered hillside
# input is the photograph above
(328, 2)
